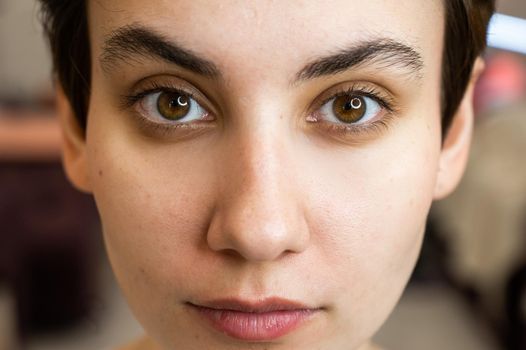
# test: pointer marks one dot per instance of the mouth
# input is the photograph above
(264, 320)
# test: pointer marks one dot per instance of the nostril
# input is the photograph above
(260, 238)
(231, 253)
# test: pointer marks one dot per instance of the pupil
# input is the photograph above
(354, 103)
(180, 101)
(349, 109)
(173, 106)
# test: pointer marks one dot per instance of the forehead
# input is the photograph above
(273, 35)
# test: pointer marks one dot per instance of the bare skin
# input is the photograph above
(267, 187)
(147, 343)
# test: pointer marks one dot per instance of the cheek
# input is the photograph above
(370, 216)
(152, 215)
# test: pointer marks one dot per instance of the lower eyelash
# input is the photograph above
(184, 130)
(349, 131)
(353, 132)
(131, 102)
(346, 130)
(375, 127)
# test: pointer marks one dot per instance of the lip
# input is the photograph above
(262, 320)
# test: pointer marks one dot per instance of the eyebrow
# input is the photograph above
(382, 52)
(128, 42)
(131, 41)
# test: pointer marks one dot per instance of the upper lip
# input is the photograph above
(257, 306)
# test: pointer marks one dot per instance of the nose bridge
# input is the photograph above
(258, 214)
(259, 165)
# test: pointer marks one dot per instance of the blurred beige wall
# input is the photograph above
(24, 59)
(512, 7)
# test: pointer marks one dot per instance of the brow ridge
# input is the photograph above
(382, 51)
(130, 41)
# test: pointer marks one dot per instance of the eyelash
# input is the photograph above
(376, 126)
(130, 101)
(386, 102)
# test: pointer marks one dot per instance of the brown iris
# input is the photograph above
(173, 105)
(349, 108)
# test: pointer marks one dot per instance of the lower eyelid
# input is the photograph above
(356, 132)
(179, 131)
(349, 132)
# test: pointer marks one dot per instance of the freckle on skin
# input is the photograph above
(100, 173)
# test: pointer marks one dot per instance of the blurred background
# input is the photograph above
(57, 292)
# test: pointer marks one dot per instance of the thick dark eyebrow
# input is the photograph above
(126, 43)
(381, 52)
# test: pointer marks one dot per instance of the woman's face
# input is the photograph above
(263, 169)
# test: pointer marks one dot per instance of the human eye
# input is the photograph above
(354, 111)
(171, 106)
(164, 107)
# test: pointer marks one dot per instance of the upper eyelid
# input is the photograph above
(385, 99)
(129, 100)
(150, 85)
(356, 92)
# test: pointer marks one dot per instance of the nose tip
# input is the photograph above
(257, 232)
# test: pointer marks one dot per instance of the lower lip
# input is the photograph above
(252, 326)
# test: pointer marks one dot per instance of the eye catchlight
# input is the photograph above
(507, 33)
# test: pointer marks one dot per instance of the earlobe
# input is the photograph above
(73, 144)
(455, 148)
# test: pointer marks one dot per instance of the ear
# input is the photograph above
(455, 148)
(73, 144)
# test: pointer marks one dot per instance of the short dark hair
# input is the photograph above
(65, 24)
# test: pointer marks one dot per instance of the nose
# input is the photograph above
(258, 214)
